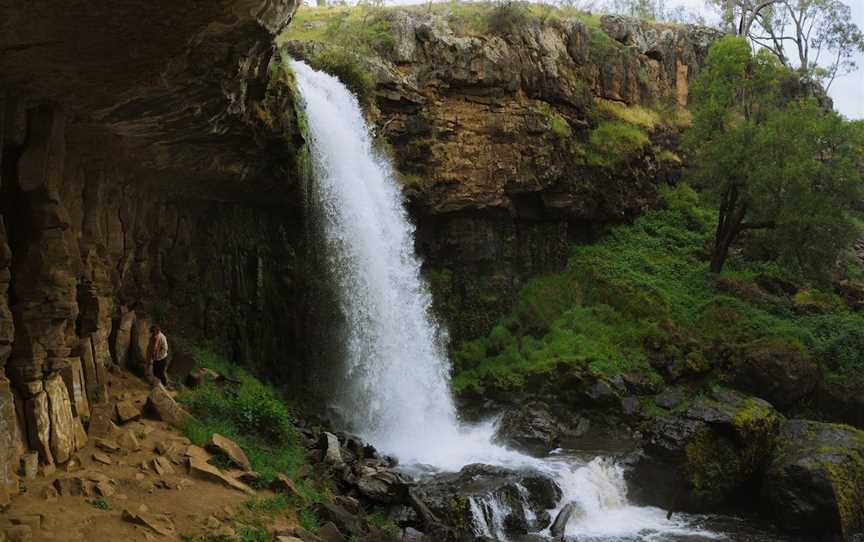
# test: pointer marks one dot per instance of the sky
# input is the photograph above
(848, 91)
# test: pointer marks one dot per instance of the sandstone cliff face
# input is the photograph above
(498, 138)
(146, 168)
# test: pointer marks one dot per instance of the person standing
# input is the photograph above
(157, 354)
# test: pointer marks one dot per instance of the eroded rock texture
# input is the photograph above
(147, 162)
(492, 137)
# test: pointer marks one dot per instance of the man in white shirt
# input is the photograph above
(157, 354)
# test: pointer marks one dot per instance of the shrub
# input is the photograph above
(507, 16)
(348, 67)
(615, 142)
(247, 411)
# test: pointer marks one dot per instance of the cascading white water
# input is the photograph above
(396, 391)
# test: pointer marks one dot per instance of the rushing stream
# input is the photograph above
(395, 391)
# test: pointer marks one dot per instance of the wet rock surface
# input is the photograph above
(705, 455)
(815, 481)
(471, 498)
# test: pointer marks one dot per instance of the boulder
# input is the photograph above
(330, 446)
(62, 429)
(127, 411)
(200, 468)
(230, 449)
(330, 533)
(338, 516)
(384, 486)
(775, 370)
(531, 429)
(160, 524)
(494, 496)
(567, 513)
(670, 398)
(101, 423)
(703, 456)
(815, 481)
(163, 407)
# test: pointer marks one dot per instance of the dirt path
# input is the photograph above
(134, 484)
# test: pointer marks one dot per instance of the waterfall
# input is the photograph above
(395, 391)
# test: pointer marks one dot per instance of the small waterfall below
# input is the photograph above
(395, 390)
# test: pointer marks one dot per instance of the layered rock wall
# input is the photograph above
(493, 136)
(146, 176)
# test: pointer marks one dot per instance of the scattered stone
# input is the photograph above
(127, 411)
(330, 445)
(281, 538)
(128, 441)
(199, 468)
(283, 484)
(109, 446)
(212, 523)
(101, 457)
(30, 462)
(139, 476)
(630, 405)
(101, 424)
(19, 533)
(330, 533)
(162, 466)
(60, 411)
(159, 524)
(49, 493)
(72, 465)
(338, 515)
(164, 448)
(227, 447)
(670, 398)
(161, 405)
(384, 486)
(249, 477)
(104, 489)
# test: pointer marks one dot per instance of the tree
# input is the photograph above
(816, 37)
(786, 168)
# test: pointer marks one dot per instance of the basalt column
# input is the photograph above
(44, 277)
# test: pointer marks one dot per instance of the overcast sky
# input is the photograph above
(848, 91)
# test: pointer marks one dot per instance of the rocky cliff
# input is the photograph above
(147, 175)
(512, 142)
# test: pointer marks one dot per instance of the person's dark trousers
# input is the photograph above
(160, 371)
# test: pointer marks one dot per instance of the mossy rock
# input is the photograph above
(815, 482)
(706, 455)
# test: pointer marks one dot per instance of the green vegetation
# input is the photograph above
(779, 167)
(348, 66)
(644, 292)
(248, 412)
(613, 142)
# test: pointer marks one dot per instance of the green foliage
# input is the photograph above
(100, 503)
(246, 411)
(507, 16)
(645, 289)
(616, 142)
(786, 169)
(308, 520)
(386, 524)
(348, 67)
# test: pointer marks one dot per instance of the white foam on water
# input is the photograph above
(395, 391)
